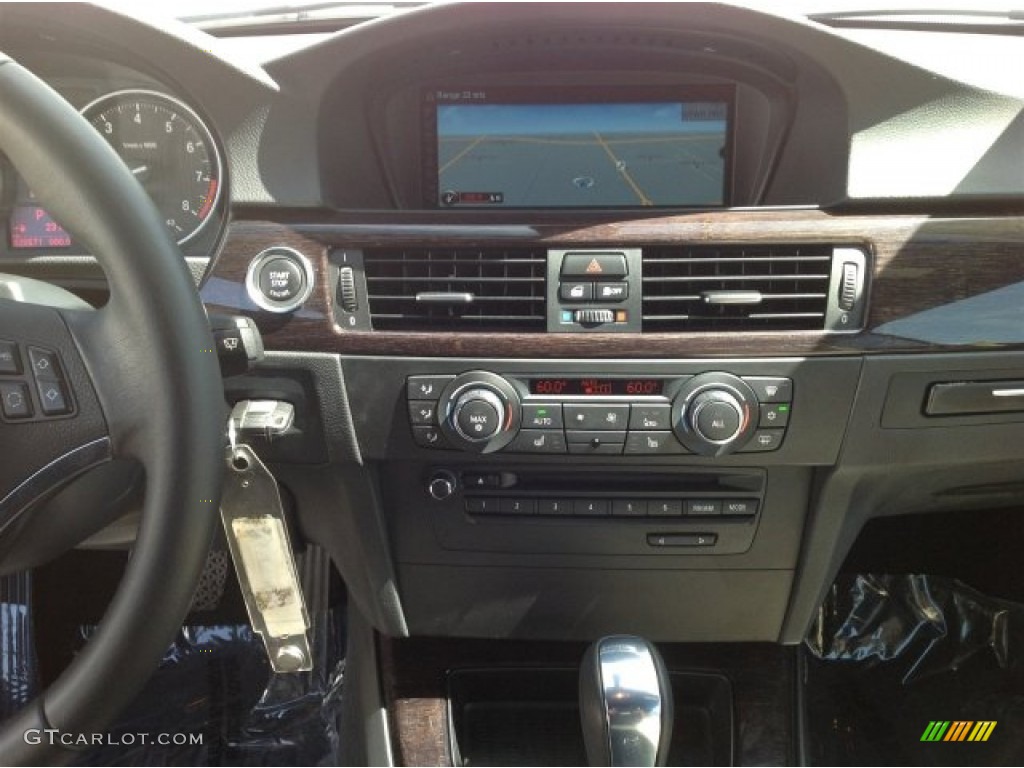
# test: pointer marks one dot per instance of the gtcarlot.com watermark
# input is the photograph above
(54, 737)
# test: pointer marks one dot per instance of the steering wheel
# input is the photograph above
(136, 379)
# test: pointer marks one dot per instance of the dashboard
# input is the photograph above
(581, 311)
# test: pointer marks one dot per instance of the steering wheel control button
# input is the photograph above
(716, 421)
(539, 441)
(15, 400)
(703, 507)
(764, 440)
(600, 266)
(45, 364)
(739, 507)
(537, 416)
(279, 280)
(423, 411)
(652, 442)
(576, 291)
(771, 390)
(650, 417)
(426, 387)
(774, 415)
(596, 417)
(10, 358)
(52, 398)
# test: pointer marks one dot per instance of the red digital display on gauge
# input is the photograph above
(596, 387)
(33, 227)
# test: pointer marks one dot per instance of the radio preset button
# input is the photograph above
(517, 506)
(536, 416)
(629, 507)
(596, 417)
(554, 507)
(590, 507)
(664, 507)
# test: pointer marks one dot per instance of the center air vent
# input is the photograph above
(737, 288)
(456, 289)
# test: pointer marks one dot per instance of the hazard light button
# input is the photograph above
(594, 265)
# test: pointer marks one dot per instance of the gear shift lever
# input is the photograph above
(625, 703)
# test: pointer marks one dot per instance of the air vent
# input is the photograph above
(735, 288)
(457, 289)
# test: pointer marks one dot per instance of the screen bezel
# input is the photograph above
(571, 94)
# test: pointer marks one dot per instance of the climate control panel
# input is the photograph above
(712, 413)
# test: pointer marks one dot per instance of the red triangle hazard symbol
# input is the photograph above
(594, 267)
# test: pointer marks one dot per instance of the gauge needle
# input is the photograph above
(141, 171)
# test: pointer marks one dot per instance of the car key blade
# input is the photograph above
(258, 539)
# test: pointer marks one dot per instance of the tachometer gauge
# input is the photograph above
(168, 149)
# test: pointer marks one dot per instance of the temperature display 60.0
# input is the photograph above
(596, 387)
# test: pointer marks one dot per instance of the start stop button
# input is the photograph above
(279, 279)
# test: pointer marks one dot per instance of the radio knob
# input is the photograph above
(716, 416)
(442, 485)
(478, 415)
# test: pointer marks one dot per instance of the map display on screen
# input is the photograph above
(589, 155)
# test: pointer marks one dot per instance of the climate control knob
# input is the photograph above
(478, 415)
(716, 416)
(479, 411)
(714, 413)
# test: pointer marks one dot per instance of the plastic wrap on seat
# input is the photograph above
(895, 661)
(218, 703)
(19, 668)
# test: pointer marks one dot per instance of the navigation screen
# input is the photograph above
(506, 149)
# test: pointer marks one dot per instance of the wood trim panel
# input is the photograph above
(920, 263)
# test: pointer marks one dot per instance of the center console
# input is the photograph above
(568, 498)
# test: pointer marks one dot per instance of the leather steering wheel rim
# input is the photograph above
(149, 358)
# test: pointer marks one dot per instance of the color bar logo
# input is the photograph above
(958, 730)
